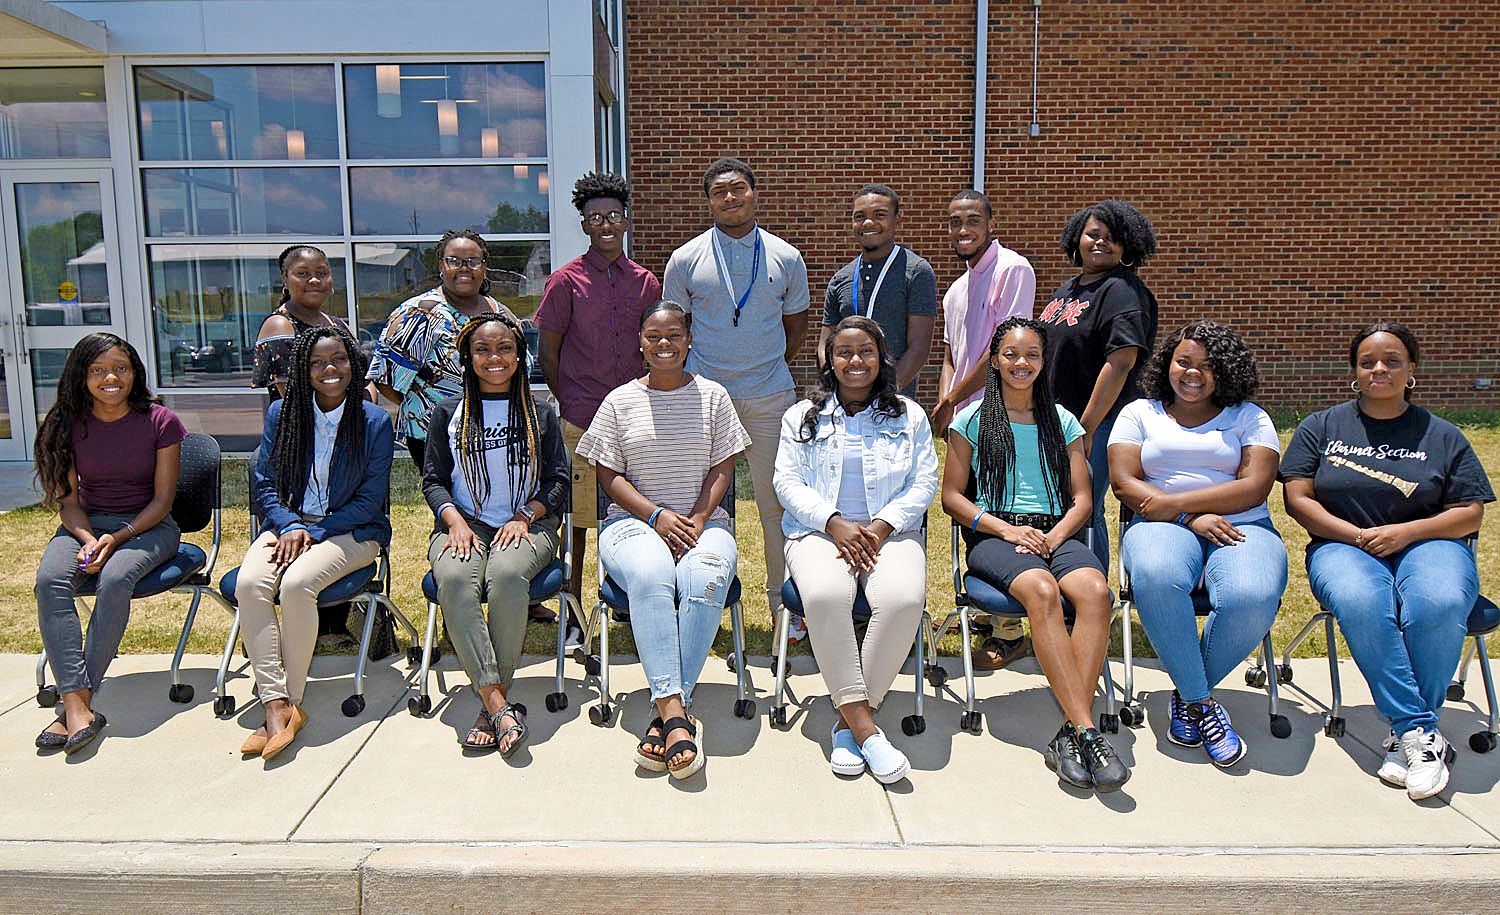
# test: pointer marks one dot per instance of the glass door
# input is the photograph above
(62, 274)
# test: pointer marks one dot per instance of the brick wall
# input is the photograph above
(1309, 166)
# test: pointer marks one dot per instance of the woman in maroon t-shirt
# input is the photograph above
(107, 457)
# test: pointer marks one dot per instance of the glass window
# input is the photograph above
(64, 259)
(428, 111)
(216, 113)
(388, 273)
(234, 419)
(53, 113)
(243, 201)
(209, 302)
(431, 199)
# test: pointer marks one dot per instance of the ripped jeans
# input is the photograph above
(675, 607)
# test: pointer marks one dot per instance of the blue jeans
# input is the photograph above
(1099, 469)
(1166, 562)
(675, 606)
(1404, 617)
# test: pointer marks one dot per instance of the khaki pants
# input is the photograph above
(761, 417)
(281, 654)
(896, 589)
(585, 481)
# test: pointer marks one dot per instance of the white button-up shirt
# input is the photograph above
(325, 433)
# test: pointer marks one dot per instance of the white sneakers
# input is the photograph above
(888, 764)
(1393, 768)
(846, 759)
(1427, 758)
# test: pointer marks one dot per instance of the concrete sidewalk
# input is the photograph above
(383, 813)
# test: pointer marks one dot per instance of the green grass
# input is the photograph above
(155, 622)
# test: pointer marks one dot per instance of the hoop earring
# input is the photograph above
(1411, 382)
(1354, 386)
(1125, 264)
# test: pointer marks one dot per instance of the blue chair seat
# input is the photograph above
(985, 597)
(187, 562)
(546, 585)
(1484, 618)
(341, 591)
(614, 596)
(792, 601)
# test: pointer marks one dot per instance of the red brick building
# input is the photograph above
(1309, 166)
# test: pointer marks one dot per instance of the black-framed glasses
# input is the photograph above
(613, 217)
(453, 263)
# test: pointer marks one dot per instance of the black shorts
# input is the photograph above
(996, 561)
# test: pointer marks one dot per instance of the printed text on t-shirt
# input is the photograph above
(1060, 310)
(1381, 451)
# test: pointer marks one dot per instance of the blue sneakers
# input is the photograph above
(1183, 731)
(1224, 746)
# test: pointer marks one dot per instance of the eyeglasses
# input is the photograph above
(453, 263)
(613, 217)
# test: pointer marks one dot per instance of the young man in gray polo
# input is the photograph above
(748, 295)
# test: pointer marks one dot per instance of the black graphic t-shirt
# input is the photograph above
(1371, 472)
(1088, 322)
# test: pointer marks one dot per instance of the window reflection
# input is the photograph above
(242, 201)
(53, 113)
(427, 111)
(64, 262)
(387, 274)
(209, 302)
(233, 112)
(431, 199)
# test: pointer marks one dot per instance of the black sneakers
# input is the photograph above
(1064, 757)
(1105, 768)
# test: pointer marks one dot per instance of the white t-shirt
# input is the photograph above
(851, 501)
(1181, 459)
(500, 503)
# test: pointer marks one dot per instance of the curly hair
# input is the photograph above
(886, 399)
(522, 434)
(997, 444)
(476, 238)
(1395, 329)
(53, 449)
(1127, 226)
(291, 457)
(595, 185)
(1235, 376)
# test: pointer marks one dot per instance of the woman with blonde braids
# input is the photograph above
(497, 476)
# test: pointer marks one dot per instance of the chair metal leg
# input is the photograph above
(744, 706)
(223, 702)
(605, 712)
(41, 669)
(1127, 648)
(963, 628)
(179, 692)
(1335, 725)
(356, 702)
(778, 705)
(429, 635)
(1468, 656)
(1301, 636)
(1486, 738)
(918, 691)
(1281, 727)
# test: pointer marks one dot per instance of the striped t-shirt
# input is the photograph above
(664, 442)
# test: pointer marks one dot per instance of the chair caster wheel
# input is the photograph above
(519, 706)
(1334, 727)
(1482, 741)
(1281, 728)
(972, 722)
(414, 656)
(731, 663)
(419, 705)
(1109, 724)
(601, 714)
(777, 716)
(224, 706)
(1132, 716)
(744, 708)
(1455, 692)
(181, 693)
(556, 702)
(1255, 678)
(1284, 673)
(353, 706)
(591, 665)
(912, 725)
(936, 676)
(46, 696)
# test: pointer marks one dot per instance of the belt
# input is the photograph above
(1026, 519)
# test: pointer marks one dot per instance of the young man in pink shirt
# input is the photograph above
(997, 283)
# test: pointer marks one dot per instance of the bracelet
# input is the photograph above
(974, 525)
(1183, 519)
(651, 521)
(131, 528)
(1359, 538)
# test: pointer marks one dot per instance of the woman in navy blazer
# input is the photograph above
(320, 482)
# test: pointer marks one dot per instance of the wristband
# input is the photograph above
(294, 526)
(651, 521)
(974, 525)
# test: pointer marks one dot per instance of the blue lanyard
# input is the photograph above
(739, 301)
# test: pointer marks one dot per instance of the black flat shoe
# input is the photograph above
(85, 735)
(47, 740)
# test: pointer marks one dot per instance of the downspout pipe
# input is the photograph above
(981, 78)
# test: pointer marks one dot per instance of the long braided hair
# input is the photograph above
(291, 458)
(476, 238)
(886, 399)
(997, 445)
(284, 256)
(53, 449)
(521, 435)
